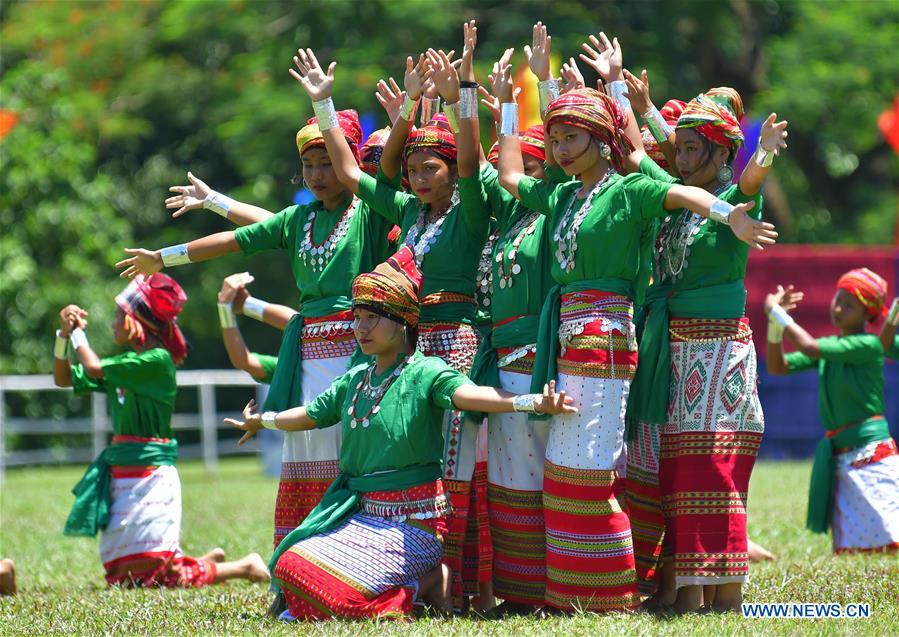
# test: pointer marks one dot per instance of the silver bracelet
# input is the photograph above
(325, 114)
(78, 338)
(452, 116)
(254, 308)
(763, 157)
(657, 125)
(781, 316)
(468, 102)
(430, 106)
(407, 110)
(226, 315)
(60, 347)
(720, 211)
(617, 90)
(218, 203)
(268, 419)
(893, 314)
(526, 403)
(174, 255)
(548, 90)
(508, 123)
(775, 331)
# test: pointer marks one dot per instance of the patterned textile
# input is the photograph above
(596, 113)
(369, 566)
(869, 288)
(141, 544)
(596, 336)
(518, 360)
(455, 343)
(310, 136)
(328, 336)
(708, 449)
(370, 152)
(532, 142)
(716, 116)
(477, 547)
(644, 504)
(431, 139)
(156, 301)
(866, 499)
(391, 289)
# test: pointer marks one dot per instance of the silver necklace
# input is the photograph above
(566, 240)
(316, 256)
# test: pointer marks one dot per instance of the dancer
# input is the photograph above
(855, 476)
(131, 493)
(376, 539)
(888, 339)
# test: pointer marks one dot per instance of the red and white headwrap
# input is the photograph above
(370, 152)
(532, 142)
(716, 116)
(310, 136)
(670, 112)
(869, 288)
(430, 139)
(156, 303)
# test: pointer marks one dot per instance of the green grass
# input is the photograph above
(62, 589)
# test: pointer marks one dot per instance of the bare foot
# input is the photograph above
(434, 589)
(758, 553)
(256, 569)
(216, 555)
(7, 577)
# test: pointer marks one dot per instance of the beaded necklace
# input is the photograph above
(524, 227)
(429, 231)
(316, 256)
(484, 278)
(677, 235)
(375, 393)
(566, 240)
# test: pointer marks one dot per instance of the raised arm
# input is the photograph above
(148, 262)
(232, 298)
(70, 318)
(290, 420)
(417, 73)
(492, 400)
(777, 306)
(888, 333)
(641, 102)
(772, 139)
(198, 195)
(510, 164)
(756, 233)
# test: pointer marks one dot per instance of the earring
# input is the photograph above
(605, 150)
(725, 174)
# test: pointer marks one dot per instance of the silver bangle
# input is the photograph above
(78, 338)
(174, 255)
(407, 110)
(617, 90)
(893, 314)
(218, 203)
(657, 125)
(775, 331)
(526, 403)
(548, 90)
(325, 114)
(508, 123)
(452, 116)
(430, 106)
(60, 346)
(468, 102)
(781, 316)
(226, 315)
(254, 308)
(268, 419)
(720, 211)
(762, 157)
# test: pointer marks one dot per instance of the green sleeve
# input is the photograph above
(473, 200)
(799, 362)
(396, 182)
(444, 383)
(541, 196)
(555, 174)
(268, 363)
(646, 196)
(858, 348)
(270, 234)
(649, 168)
(500, 200)
(327, 408)
(733, 195)
(384, 198)
(145, 373)
(893, 352)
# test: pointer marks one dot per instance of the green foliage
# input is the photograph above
(117, 99)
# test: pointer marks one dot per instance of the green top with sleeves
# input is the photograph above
(140, 390)
(448, 254)
(268, 363)
(405, 431)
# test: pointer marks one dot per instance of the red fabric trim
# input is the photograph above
(121, 439)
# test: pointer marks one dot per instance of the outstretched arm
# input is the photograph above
(492, 400)
(756, 233)
(198, 195)
(772, 139)
(290, 420)
(148, 262)
(888, 333)
(777, 306)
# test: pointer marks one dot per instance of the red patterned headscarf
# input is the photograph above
(869, 288)
(532, 143)
(310, 136)
(596, 113)
(391, 289)
(431, 139)
(156, 302)
(370, 152)
(716, 116)
(670, 112)
(493, 154)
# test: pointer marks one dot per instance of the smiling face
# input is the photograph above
(697, 159)
(319, 175)
(847, 313)
(574, 149)
(376, 334)
(431, 177)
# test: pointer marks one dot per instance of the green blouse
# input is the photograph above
(850, 370)
(140, 391)
(405, 431)
(450, 263)
(893, 352)
(268, 363)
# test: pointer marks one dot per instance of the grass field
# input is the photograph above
(62, 589)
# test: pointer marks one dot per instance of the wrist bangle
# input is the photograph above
(617, 90)
(762, 157)
(60, 346)
(468, 102)
(226, 315)
(268, 419)
(407, 110)
(526, 403)
(218, 203)
(78, 338)
(893, 314)
(720, 211)
(657, 125)
(325, 114)
(174, 255)
(452, 116)
(254, 308)
(775, 331)
(781, 316)
(508, 124)
(548, 90)
(430, 106)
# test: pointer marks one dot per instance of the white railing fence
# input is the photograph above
(208, 420)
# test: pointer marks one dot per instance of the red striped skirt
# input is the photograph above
(644, 504)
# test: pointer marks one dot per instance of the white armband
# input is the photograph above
(78, 338)
(254, 308)
(60, 346)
